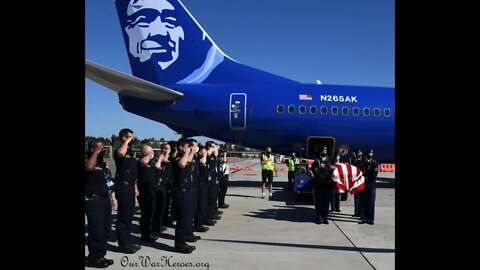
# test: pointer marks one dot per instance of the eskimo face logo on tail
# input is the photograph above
(153, 31)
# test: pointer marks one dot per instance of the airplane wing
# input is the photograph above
(128, 85)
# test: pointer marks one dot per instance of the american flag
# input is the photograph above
(348, 178)
(304, 97)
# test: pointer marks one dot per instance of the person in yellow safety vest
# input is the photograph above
(267, 161)
(292, 164)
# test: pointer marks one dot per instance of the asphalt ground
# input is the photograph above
(279, 233)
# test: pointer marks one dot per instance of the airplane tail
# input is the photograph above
(166, 45)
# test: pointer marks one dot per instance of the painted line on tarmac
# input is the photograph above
(361, 253)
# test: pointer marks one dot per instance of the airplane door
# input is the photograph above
(238, 111)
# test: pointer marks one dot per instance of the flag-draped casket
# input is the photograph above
(347, 178)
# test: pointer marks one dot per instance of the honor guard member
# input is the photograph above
(165, 178)
(292, 164)
(212, 210)
(223, 179)
(148, 184)
(202, 191)
(267, 161)
(322, 186)
(182, 184)
(173, 208)
(168, 170)
(369, 191)
(194, 192)
(358, 162)
(335, 198)
(97, 205)
(125, 191)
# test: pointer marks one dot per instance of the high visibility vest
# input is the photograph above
(269, 164)
(292, 163)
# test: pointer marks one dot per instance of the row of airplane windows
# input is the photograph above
(324, 110)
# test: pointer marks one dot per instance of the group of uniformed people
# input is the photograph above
(324, 190)
(183, 185)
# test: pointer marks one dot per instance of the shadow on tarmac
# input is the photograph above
(341, 248)
(287, 213)
(243, 196)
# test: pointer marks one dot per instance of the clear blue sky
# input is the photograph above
(336, 41)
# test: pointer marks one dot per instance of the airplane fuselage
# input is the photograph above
(250, 114)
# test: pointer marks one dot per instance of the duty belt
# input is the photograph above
(124, 183)
(91, 197)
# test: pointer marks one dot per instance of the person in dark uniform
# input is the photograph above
(168, 171)
(335, 198)
(212, 166)
(125, 191)
(358, 162)
(202, 191)
(369, 192)
(171, 214)
(223, 179)
(148, 185)
(97, 206)
(322, 186)
(194, 190)
(162, 200)
(182, 184)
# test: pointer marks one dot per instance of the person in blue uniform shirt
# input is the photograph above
(183, 184)
(162, 200)
(125, 191)
(202, 191)
(148, 185)
(223, 172)
(97, 205)
(369, 192)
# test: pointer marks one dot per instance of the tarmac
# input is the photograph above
(279, 233)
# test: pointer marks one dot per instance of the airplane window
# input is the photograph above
(366, 111)
(345, 110)
(280, 109)
(376, 112)
(313, 109)
(356, 111)
(324, 110)
(291, 109)
(334, 110)
(386, 112)
(302, 109)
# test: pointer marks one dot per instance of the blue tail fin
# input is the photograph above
(166, 45)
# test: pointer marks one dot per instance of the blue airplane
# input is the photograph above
(182, 79)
